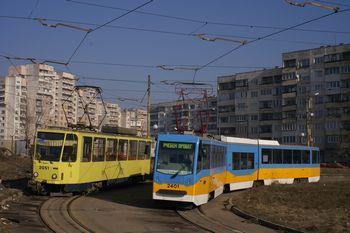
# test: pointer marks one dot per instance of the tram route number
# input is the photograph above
(173, 186)
(44, 167)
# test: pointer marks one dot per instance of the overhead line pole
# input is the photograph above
(148, 105)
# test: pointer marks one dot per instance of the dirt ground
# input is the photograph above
(315, 207)
(14, 167)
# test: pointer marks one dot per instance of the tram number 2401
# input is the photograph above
(173, 186)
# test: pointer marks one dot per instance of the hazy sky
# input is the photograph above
(28, 38)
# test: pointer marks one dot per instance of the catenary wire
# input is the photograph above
(171, 32)
(269, 35)
(103, 25)
(251, 26)
(34, 7)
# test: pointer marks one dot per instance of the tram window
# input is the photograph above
(206, 156)
(296, 156)
(287, 156)
(277, 156)
(112, 148)
(315, 156)
(148, 150)
(244, 161)
(122, 149)
(267, 156)
(133, 150)
(141, 152)
(200, 158)
(250, 161)
(305, 156)
(216, 157)
(236, 158)
(99, 149)
(70, 148)
(87, 146)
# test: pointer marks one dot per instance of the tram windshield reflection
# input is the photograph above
(49, 146)
(175, 158)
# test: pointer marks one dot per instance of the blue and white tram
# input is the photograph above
(193, 169)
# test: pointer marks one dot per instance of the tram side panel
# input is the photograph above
(286, 164)
(242, 166)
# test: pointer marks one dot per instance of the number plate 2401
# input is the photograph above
(174, 186)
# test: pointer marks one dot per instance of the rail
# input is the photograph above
(57, 216)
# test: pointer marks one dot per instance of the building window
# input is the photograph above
(288, 76)
(332, 57)
(333, 139)
(318, 60)
(290, 63)
(254, 94)
(304, 63)
(266, 91)
(345, 69)
(332, 70)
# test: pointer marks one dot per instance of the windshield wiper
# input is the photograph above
(178, 171)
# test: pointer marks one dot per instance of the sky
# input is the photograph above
(138, 42)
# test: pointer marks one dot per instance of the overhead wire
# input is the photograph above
(333, 3)
(192, 20)
(61, 62)
(172, 32)
(34, 7)
(269, 35)
(103, 25)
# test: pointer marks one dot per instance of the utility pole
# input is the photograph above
(148, 105)
(309, 115)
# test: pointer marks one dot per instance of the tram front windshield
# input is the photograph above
(49, 146)
(175, 158)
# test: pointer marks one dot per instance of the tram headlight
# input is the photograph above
(54, 176)
(35, 174)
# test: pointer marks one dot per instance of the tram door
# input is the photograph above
(204, 164)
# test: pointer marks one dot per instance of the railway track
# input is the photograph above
(198, 218)
(57, 216)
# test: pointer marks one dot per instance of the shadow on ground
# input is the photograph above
(137, 195)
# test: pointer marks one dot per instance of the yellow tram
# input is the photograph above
(74, 161)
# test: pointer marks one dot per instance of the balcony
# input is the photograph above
(289, 95)
(290, 107)
(289, 82)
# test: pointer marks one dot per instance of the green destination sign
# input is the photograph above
(175, 145)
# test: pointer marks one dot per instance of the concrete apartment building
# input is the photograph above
(110, 115)
(310, 95)
(164, 115)
(46, 91)
(134, 118)
(243, 97)
(32, 98)
(13, 108)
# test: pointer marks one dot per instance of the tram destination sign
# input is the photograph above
(177, 145)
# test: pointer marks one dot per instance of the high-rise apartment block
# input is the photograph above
(37, 96)
(305, 102)
(136, 119)
(191, 114)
